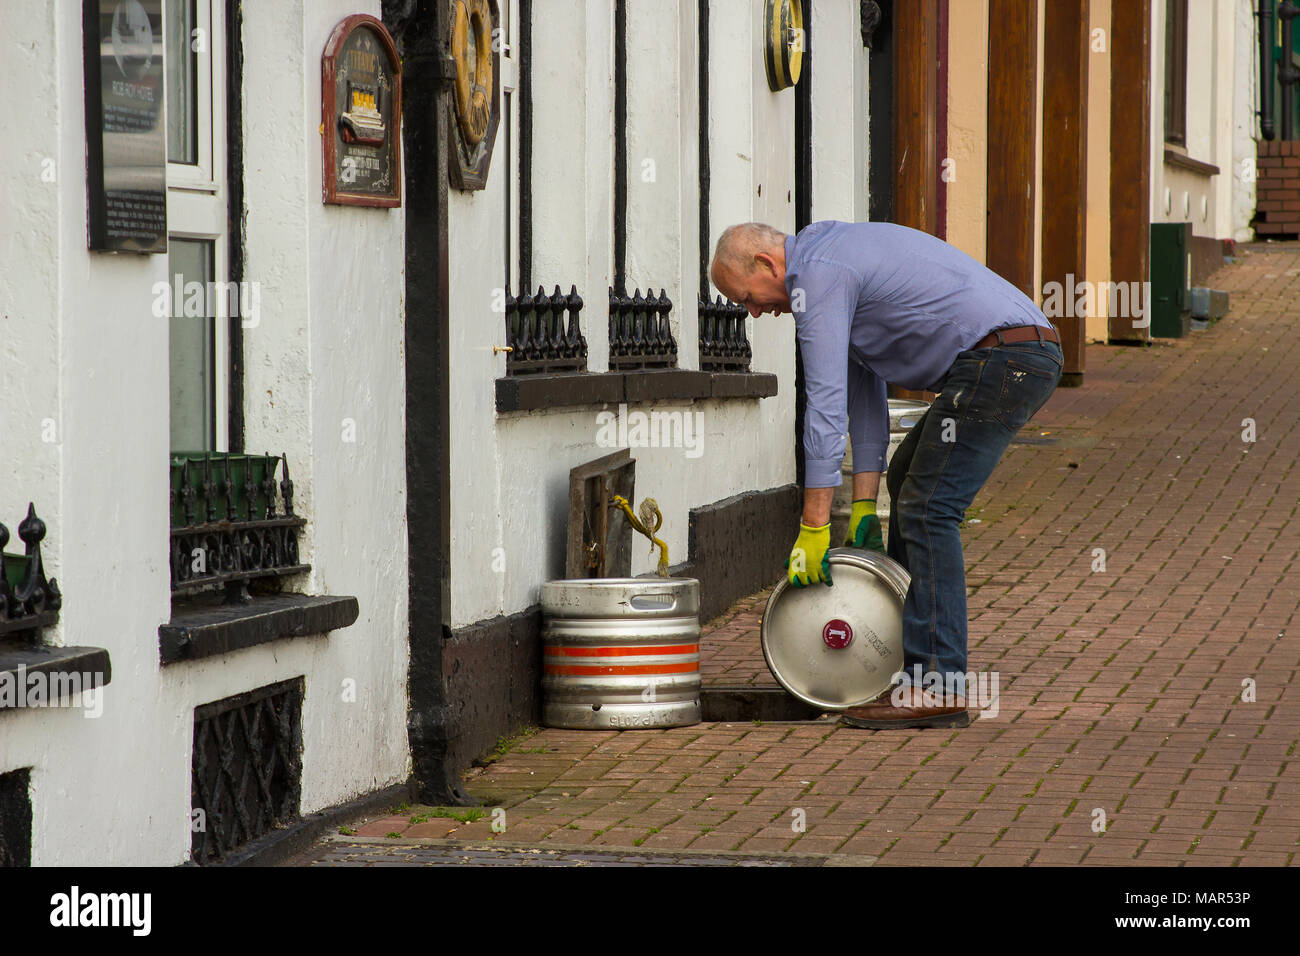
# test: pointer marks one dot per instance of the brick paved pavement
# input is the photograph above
(377, 851)
(728, 644)
(1121, 688)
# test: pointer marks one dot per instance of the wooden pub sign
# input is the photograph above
(361, 115)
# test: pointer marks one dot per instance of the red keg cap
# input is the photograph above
(837, 633)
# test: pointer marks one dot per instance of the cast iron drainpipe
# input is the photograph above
(1287, 74)
(1265, 14)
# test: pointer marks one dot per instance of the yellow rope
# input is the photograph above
(649, 509)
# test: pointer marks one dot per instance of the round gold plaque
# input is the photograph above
(471, 49)
(783, 42)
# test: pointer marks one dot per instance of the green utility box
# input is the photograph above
(1170, 308)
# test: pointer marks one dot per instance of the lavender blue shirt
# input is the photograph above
(882, 303)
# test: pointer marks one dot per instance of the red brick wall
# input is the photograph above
(1277, 206)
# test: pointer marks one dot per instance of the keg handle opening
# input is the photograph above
(658, 601)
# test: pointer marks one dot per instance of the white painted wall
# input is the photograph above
(770, 142)
(658, 132)
(83, 348)
(839, 132)
(1245, 122)
(343, 297)
(510, 472)
(773, 133)
(1221, 100)
(560, 119)
(31, 196)
(1179, 194)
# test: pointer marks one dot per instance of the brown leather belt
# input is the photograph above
(1017, 333)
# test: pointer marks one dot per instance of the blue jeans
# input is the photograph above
(987, 395)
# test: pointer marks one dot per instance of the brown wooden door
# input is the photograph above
(919, 39)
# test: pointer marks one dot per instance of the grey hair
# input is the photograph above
(739, 244)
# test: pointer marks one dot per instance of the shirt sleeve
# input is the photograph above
(868, 418)
(828, 295)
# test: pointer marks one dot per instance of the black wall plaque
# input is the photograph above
(126, 148)
(361, 115)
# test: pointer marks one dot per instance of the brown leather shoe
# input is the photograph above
(914, 710)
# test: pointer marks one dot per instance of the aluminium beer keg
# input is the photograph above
(621, 653)
(837, 647)
(903, 414)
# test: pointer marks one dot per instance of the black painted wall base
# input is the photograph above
(738, 545)
(16, 818)
(493, 674)
(493, 669)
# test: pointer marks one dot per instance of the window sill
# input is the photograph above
(1173, 157)
(90, 665)
(570, 389)
(201, 629)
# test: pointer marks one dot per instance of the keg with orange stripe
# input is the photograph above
(621, 653)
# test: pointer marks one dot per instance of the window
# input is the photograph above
(195, 57)
(231, 514)
(193, 346)
(1176, 72)
(198, 332)
(182, 83)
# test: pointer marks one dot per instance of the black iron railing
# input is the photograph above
(640, 335)
(540, 339)
(724, 344)
(225, 527)
(28, 600)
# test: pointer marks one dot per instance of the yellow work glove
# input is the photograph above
(864, 527)
(808, 562)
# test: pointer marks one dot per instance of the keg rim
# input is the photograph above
(620, 582)
(892, 574)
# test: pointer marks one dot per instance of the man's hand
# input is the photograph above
(864, 527)
(808, 562)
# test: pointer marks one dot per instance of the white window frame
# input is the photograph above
(197, 195)
(208, 174)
